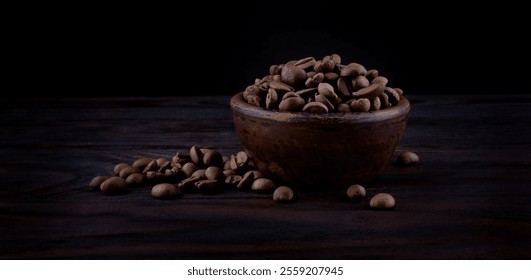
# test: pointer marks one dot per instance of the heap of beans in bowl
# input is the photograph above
(322, 86)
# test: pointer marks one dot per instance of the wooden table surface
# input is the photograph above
(468, 198)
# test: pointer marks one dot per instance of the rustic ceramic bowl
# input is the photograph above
(319, 150)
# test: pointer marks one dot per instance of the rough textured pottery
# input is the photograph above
(306, 150)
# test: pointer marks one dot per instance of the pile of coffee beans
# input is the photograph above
(322, 86)
(205, 170)
(200, 169)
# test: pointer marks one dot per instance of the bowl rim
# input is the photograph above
(240, 106)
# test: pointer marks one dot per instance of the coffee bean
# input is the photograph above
(165, 191)
(96, 182)
(291, 104)
(382, 201)
(214, 173)
(263, 184)
(283, 194)
(246, 181)
(196, 155)
(119, 167)
(356, 192)
(114, 185)
(135, 180)
(128, 170)
(151, 166)
(207, 185)
(212, 158)
(141, 163)
(407, 158)
(293, 75)
(360, 105)
(315, 107)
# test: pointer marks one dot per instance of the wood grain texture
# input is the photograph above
(468, 198)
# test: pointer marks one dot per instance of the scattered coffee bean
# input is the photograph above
(96, 182)
(165, 191)
(356, 192)
(119, 167)
(114, 185)
(128, 170)
(407, 158)
(263, 184)
(382, 201)
(136, 180)
(141, 163)
(283, 194)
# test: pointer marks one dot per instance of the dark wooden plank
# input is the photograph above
(469, 198)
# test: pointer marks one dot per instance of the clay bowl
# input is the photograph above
(306, 150)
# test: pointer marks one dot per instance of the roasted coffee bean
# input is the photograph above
(336, 58)
(181, 158)
(315, 107)
(360, 105)
(380, 80)
(96, 182)
(263, 184)
(291, 104)
(135, 180)
(207, 185)
(141, 163)
(155, 176)
(128, 170)
(274, 70)
(356, 192)
(151, 166)
(201, 173)
(293, 75)
(119, 167)
(393, 95)
(165, 191)
(196, 155)
(370, 92)
(352, 70)
(305, 63)
(256, 174)
(214, 173)
(188, 168)
(239, 161)
(331, 76)
(283, 194)
(212, 158)
(246, 181)
(321, 98)
(280, 86)
(272, 99)
(306, 92)
(399, 90)
(114, 185)
(228, 172)
(360, 82)
(233, 180)
(188, 183)
(371, 74)
(343, 108)
(382, 201)
(162, 161)
(407, 158)
(343, 88)
(289, 94)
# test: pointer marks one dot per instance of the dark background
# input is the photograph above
(219, 48)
